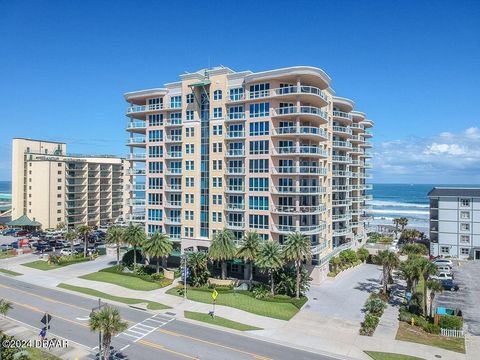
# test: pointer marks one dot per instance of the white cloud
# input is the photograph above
(447, 157)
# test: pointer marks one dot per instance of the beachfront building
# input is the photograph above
(53, 187)
(273, 152)
(455, 222)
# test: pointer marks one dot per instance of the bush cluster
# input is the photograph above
(141, 272)
(67, 260)
(374, 307)
(419, 321)
(345, 260)
(451, 322)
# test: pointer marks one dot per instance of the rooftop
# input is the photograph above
(455, 191)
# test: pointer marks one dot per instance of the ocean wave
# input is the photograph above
(400, 212)
(380, 203)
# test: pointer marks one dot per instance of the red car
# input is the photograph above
(22, 233)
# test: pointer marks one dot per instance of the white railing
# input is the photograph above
(335, 251)
(288, 110)
(341, 158)
(287, 90)
(236, 116)
(299, 190)
(142, 108)
(452, 333)
(343, 115)
(235, 152)
(136, 156)
(342, 144)
(235, 134)
(174, 138)
(137, 125)
(235, 189)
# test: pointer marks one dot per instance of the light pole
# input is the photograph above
(100, 305)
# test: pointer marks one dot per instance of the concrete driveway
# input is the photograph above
(343, 297)
(465, 299)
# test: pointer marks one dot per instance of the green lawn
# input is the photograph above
(40, 265)
(415, 334)
(129, 282)
(37, 354)
(277, 310)
(377, 355)
(5, 255)
(10, 272)
(220, 321)
(152, 305)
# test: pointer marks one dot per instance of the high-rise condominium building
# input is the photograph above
(273, 152)
(455, 222)
(53, 187)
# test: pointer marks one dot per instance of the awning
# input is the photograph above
(23, 221)
(201, 83)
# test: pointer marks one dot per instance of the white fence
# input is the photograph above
(452, 333)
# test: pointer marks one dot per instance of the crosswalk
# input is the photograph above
(145, 327)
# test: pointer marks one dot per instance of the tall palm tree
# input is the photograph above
(270, 258)
(160, 246)
(197, 263)
(297, 248)
(84, 231)
(5, 307)
(396, 222)
(248, 251)
(115, 235)
(389, 261)
(427, 269)
(71, 236)
(108, 321)
(403, 222)
(435, 287)
(411, 272)
(223, 249)
(135, 236)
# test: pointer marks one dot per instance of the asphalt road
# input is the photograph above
(150, 335)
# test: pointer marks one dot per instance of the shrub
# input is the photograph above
(261, 292)
(369, 325)
(285, 281)
(157, 277)
(127, 258)
(431, 328)
(375, 306)
(332, 274)
(220, 287)
(451, 322)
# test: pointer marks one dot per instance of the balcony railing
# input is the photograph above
(301, 110)
(342, 144)
(235, 170)
(289, 90)
(136, 156)
(342, 173)
(237, 225)
(307, 170)
(136, 125)
(173, 187)
(235, 207)
(341, 187)
(342, 159)
(173, 138)
(343, 202)
(173, 122)
(316, 190)
(136, 187)
(173, 204)
(235, 134)
(302, 149)
(235, 189)
(305, 229)
(342, 115)
(235, 153)
(134, 172)
(143, 108)
(235, 116)
(342, 130)
(302, 130)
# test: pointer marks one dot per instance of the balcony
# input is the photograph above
(342, 232)
(300, 190)
(368, 197)
(173, 139)
(136, 172)
(173, 220)
(356, 139)
(302, 150)
(174, 171)
(235, 207)
(366, 144)
(342, 159)
(235, 135)
(136, 187)
(235, 189)
(235, 153)
(144, 108)
(235, 225)
(138, 127)
(235, 170)
(304, 229)
(291, 92)
(342, 188)
(306, 112)
(136, 141)
(342, 130)
(173, 188)
(300, 210)
(368, 187)
(135, 218)
(173, 155)
(342, 173)
(237, 116)
(342, 116)
(301, 170)
(173, 204)
(341, 217)
(343, 202)
(173, 122)
(341, 144)
(304, 131)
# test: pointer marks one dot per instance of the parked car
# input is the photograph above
(22, 233)
(67, 252)
(43, 247)
(444, 268)
(448, 284)
(440, 262)
(443, 276)
(10, 231)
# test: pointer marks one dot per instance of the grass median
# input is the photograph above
(220, 321)
(377, 355)
(277, 310)
(124, 280)
(415, 334)
(10, 272)
(45, 266)
(152, 305)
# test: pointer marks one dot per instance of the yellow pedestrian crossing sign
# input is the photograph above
(214, 294)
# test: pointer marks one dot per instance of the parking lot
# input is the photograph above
(467, 297)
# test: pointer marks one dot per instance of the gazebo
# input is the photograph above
(24, 222)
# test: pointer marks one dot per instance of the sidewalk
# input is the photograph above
(25, 332)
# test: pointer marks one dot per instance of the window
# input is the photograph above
(189, 132)
(189, 181)
(155, 151)
(217, 182)
(259, 90)
(189, 165)
(259, 147)
(258, 166)
(259, 128)
(176, 102)
(258, 184)
(258, 221)
(190, 98)
(189, 198)
(155, 120)
(217, 129)
(217, 199)
(217, 147)
(217, 113)
(189, 115)
(217, 95)
(236, 112)
(444, 249)
(465, 227)
(190, 148)
(464, 215)
(59, 188)
(189, 215)
(59, 180)
(465, 202)
(154, 101)
(217, 164)
(465, 251)
(154, 199)
(236, 94)
(155, 135)
(465, 239)
(155, 183)
(216, 217)
(258, 202)
(155, 167)
(259, 110)
(155, 214)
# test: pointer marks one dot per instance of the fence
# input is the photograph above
(452, 333)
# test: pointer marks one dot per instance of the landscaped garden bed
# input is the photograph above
(55, 262)
(346, 260)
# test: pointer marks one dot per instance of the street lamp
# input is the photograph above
(100, 306)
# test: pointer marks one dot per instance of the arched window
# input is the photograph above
(217, 95)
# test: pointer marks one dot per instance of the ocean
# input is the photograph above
(5, 192)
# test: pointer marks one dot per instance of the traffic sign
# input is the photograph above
(214, 294)
(46, 320)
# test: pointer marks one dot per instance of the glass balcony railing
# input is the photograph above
(341, 144)
(342, 115)
(342, 130)
(236, 116)
(235, 153)
(316, 190)
(301, 110)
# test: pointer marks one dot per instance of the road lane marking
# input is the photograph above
(83, 319)
(123, 348)
(142, 329)
(256, 356)
(163, 348)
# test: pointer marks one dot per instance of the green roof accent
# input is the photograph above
(23, 221)
(201, 83)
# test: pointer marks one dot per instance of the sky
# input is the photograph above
(412, 66)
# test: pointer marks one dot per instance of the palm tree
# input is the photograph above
(403, 222)
(160, 246)
(222, 249)
(5, 307)
(411, 272)
(71, 236)
(109, 323)
(396, 222)
(270, 259)
(197, 263)
(389, 261)
(427, 269)
(115, 235)
(248, 251)
(134, 236)
(84, 231)
(435, 287)
(297, 248)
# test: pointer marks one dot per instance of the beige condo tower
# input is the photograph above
(53, 187)
(274, 151)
